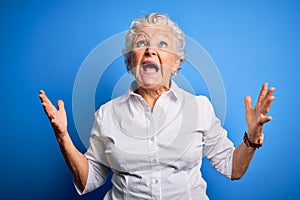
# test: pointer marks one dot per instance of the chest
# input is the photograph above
(151, 142)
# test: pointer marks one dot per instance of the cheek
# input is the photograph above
(135, 57)
(170, 61)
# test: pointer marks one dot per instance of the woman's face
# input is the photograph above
(153, 57)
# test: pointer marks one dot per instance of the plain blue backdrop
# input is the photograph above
(43, 44)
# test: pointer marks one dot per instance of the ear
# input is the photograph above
(128, 63)
(177, 62)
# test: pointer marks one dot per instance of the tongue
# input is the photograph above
(150, 69)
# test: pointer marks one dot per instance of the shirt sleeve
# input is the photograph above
(97, 162)
(218, 149)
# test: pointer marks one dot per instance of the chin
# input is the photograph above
(152, 85)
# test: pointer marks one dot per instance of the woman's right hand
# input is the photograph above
(57, 117)
(76, 161)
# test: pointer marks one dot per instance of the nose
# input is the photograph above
(150, 51)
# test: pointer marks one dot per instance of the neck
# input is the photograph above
(151, 93)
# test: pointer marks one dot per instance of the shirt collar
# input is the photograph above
(174, 90)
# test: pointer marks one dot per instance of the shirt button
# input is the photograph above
(152, 139)
(156, 181)
(154, 160)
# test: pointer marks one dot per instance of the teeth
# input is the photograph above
(150, 66)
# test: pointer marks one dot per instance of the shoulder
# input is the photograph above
(108, 107)
(202, 101)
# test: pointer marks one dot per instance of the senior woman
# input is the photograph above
(153, 137)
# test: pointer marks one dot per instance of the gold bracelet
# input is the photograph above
(251, 144)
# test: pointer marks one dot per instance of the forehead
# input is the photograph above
(151, 30)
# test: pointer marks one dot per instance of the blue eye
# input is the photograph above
(163, 44)
(141, 44)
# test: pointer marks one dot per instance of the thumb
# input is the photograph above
(60, 105)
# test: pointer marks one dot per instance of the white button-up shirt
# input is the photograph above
(158, 154)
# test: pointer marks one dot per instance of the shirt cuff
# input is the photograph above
(92, 182)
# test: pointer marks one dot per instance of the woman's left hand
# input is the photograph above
(257, 116)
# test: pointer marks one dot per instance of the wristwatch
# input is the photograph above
(252, 144)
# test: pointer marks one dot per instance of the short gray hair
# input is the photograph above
(154, 19)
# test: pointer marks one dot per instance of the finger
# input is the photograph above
(267, 104)
(45, 100)
(49, 108)
(265, 119)
(42, 92)
(262, 93)
(50, 112)
(44, 97)
(271, 91)
(269, 94)
(60, 105)
(248, 103)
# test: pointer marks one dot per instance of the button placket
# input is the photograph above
(156, 185)
(154, 160)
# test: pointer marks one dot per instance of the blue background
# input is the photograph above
(43, 44)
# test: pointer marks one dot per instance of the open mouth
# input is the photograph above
(150, 67)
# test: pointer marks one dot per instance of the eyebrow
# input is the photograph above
(141, 33)
(162, 34)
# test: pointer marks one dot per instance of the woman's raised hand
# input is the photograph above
(256, 117)
(57, 117)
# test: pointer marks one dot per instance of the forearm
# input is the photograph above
(242, 157)
(255, 117)
(75, 160)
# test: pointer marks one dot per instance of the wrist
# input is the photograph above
(256, 143)
(62, 137)
(255, 136)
